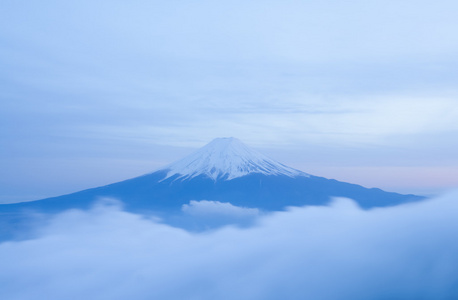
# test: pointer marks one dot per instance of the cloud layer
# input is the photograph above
(336, 252)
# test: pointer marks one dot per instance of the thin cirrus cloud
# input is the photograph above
(135, 64)
(336, 252)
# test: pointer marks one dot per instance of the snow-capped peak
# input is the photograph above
(227, 158)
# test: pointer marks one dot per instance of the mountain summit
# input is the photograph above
(227, 158)
(226, 171)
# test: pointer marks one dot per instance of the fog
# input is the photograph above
(334, 252)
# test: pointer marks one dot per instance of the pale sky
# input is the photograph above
(360, 91)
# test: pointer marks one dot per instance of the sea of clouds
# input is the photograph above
(320, 253)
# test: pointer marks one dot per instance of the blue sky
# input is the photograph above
(361, 91)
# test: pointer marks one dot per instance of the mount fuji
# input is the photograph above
(225, 170)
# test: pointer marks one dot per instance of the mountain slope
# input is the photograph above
(225, 170)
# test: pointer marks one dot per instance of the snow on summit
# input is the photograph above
(227, 158)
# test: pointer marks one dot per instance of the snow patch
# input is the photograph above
(227, 158)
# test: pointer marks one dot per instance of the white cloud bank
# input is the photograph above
(204, 214)
(205, 208)
(320, 253)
